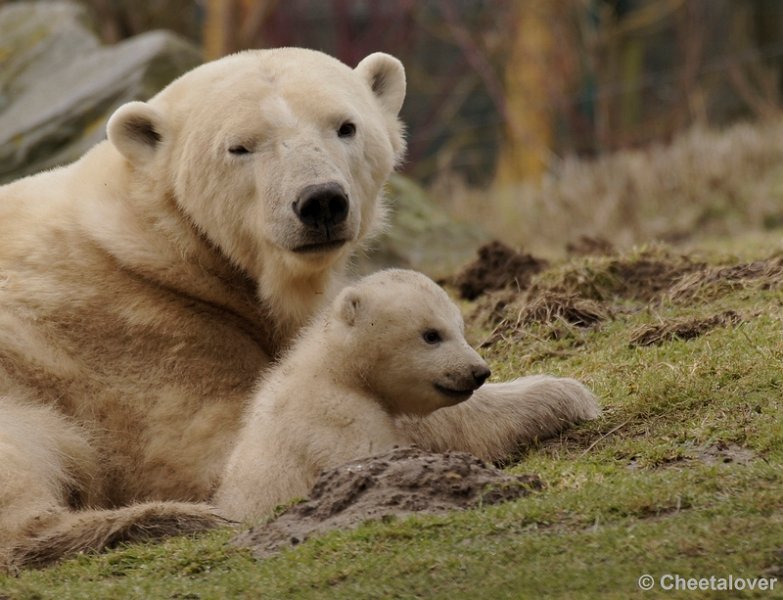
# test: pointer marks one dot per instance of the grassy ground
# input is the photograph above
(681, 476)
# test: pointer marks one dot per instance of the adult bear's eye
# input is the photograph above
(431, 336)
(346, 130)
(238, 149)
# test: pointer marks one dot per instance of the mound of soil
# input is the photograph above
(711, 281)
(643, 277)
(399, 483)
(496, 268)
(586, 292)
(682, 329)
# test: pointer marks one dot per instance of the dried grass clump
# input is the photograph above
(682, 329)
(703, 182)
(711, 282)
(573, 310)
(643, 275)
(586, 292)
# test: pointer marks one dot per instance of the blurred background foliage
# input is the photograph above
(503, 88)
(505, 94)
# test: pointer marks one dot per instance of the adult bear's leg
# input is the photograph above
(46, 466)
(499, 417)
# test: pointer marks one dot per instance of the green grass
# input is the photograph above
(643, 490)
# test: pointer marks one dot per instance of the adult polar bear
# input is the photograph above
(145, 287)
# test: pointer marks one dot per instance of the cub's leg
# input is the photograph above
(500, 417)
(49, 476)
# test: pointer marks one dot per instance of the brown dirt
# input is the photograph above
(399, 483)
(497, 267)
(682, 329)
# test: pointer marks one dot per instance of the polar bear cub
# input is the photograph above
(391, 345)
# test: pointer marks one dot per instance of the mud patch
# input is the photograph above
(399, 483)
(496, 268)
(720, 453)
(723, 453)
(682, 329)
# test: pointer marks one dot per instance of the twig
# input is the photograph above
(604, 436)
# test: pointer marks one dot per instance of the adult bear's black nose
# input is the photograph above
(480, 374)
(322, 205)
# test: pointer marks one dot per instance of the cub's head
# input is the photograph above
(277, 156)
(406, 338)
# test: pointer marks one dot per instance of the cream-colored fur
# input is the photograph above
(392, 344)
(145, 287)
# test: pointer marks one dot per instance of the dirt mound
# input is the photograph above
(682, 329)
(497, 267)
(586, 292)
(712, 281)
(642, 277)
(658, 273)
(399, 483)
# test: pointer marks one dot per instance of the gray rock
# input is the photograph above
(59, 86)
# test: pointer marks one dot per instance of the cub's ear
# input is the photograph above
(386, 77)
(349, 305)
(136, 130)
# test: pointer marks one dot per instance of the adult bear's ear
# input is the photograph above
(349, 304)
(136, 130)
(386, 77)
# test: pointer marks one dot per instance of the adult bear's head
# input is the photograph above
(278, 156)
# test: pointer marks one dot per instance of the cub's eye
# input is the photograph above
(238, 149)
(346, 130)
(431, 336)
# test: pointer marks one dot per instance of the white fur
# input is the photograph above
(145, 287)
(335, 395)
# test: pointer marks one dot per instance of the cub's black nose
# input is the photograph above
(322, 205)
(480, 374)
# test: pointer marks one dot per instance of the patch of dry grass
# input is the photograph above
(705, 182)
(681, 329)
